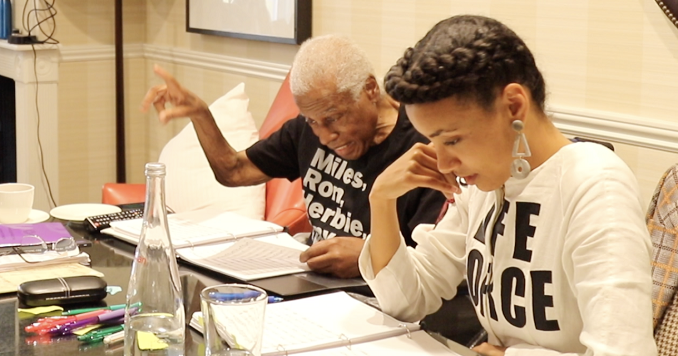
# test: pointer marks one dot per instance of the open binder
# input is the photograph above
(338, 324)
(225, 242)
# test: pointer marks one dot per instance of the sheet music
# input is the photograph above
(306, 331)
(338, 325)
(249, 259)
(325, 322)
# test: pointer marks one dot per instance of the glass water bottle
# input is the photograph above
(154, 317)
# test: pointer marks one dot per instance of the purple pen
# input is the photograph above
(67, 329)
(107, 318)
(116, 314)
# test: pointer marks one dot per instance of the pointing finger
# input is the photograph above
(172, 83)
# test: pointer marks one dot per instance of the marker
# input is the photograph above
(272, 299)
(100, 334)
(114, 338)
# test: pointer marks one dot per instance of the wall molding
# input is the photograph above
(216, 62)
(608, 126)
(196, 59)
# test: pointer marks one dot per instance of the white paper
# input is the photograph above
(337, 324)
(249, 259)
(198, 227)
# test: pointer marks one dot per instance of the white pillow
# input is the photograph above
(190, 183)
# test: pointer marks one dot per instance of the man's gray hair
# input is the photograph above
(330, 57)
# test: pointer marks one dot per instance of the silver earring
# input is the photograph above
(520, 168)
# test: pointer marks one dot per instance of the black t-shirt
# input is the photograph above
(336, 190)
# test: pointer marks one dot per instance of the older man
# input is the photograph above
(346, 134)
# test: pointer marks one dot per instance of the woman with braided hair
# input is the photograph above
(548, 234)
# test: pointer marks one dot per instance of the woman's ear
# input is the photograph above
(516, 100)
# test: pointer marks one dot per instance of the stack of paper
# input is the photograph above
(14, 268)
(13, 240)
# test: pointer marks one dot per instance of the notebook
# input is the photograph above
(337, 324)
(225, 242)
(13, 234)
(198, 227)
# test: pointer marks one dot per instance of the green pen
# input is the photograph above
(87, 310)
(100, 334)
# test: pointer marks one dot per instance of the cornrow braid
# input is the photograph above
(470, 57)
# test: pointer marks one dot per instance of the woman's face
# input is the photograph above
(470, 142)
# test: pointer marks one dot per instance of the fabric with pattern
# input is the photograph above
(662, 222)
(666, 334)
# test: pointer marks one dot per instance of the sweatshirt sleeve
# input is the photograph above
(607, 260)
(414, 281)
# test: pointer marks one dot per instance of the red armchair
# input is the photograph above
(284, 200)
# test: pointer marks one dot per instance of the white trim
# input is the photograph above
(99, 52)
(609, 126)
(196, 59)
(627, 129)
(217, 62)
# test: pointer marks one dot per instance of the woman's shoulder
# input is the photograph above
(587, 159)
(585, 165)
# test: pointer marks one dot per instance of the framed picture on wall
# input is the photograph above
(283, 21)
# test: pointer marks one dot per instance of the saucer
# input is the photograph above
(35, 216)
(78, 212)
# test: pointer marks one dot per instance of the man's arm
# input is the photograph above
(231, 168)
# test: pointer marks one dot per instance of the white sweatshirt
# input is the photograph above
(570, 272)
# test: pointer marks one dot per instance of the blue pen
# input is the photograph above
(241, 296)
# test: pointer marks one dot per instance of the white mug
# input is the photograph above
(16, 202)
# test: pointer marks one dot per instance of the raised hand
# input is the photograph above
(183, 102)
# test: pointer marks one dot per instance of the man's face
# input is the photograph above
(345, 125)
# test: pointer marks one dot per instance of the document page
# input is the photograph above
(199, 227)
(249, 259)
(417, 343)
(324, 322)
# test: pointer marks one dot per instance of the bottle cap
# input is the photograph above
(155, 168)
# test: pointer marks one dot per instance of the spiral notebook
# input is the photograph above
(337, 324)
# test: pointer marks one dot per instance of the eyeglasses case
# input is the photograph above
(56, 291)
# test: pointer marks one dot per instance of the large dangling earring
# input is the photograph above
(520, 168)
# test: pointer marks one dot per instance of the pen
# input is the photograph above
(110, 317)
(100, 334)
(85, 310)
(114, 338)
(240, 296)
